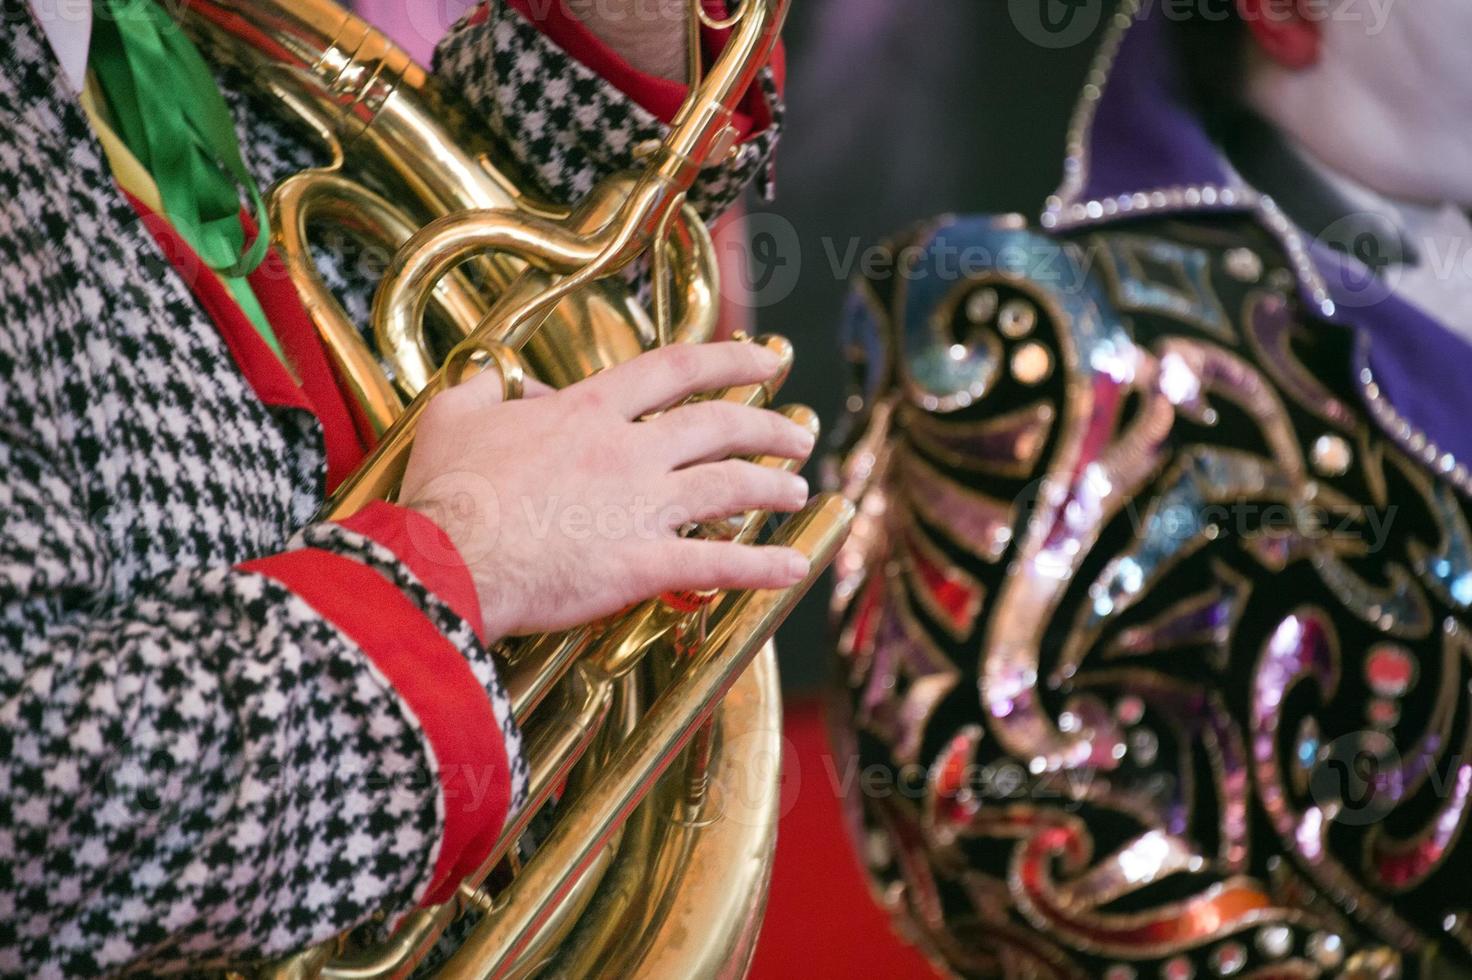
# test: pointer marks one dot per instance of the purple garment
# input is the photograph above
(1145, 139)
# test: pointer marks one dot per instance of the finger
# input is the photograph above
(662, 377)
(702, 565)
(716, 490)
(706, 431)
(536, 389)
(487, 389)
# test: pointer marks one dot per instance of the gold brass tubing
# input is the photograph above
(685, 899)
(697, 766)
(396, 956)
(744, 625)
(540, 951)
(712, 872)
(694, 57)
(630, 844)
(303, 965)
(324, 195)
(539, 665)
(764, 393)
(701, 133)
(559, 246)
(616, 906)
(660, 273)
(481, 355)
(697, 276)
(292, 204)
(553, 748)
(379, 479)
(803, 416)
(719, 23)
(403, 295)
(620, 649)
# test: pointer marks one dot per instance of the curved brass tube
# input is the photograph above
(327, 196)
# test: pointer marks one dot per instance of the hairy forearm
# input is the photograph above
(652, 35)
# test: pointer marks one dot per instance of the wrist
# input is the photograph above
(455, 533)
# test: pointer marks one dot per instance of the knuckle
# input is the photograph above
(712, 486)
(712, 415)
(749, 481)
(586, 398)
(682, 363)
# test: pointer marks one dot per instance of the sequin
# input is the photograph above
(981, 306)
(1228, 959)
(1178, 968)
(1332, 456)
(1390, 670)
(1017, 319)
(1448, 570)
(1243, 264)
(1326, 949)
(1275, 941)
(1032, 364)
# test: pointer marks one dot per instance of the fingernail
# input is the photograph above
(799, 490)
(806, 440)
(797, 566)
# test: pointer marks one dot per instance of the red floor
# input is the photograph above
(821, 923)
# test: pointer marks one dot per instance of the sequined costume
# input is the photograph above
(1156, 631)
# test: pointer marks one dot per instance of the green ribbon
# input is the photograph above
(169, 112)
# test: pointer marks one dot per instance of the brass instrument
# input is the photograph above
(663, 724)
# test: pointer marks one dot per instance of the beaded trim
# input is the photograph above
(1076, 165)
(1411, 439)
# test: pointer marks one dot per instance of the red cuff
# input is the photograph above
(660, 96)
(419, 543)
(436, 684)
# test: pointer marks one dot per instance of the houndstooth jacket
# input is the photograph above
(204, 758)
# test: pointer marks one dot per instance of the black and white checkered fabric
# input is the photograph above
(569, 128)
(195, 767)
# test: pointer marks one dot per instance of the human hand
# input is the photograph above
(566, 506)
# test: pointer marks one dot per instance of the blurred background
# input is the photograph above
(896, 112)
